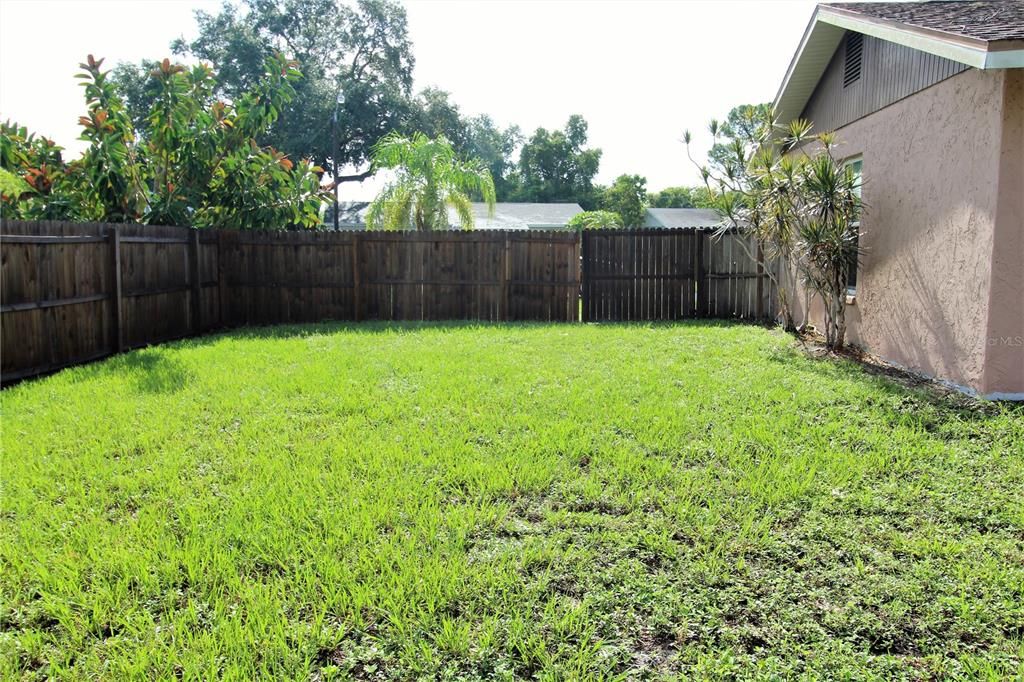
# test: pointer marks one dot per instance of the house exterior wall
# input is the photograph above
(1004, 363)
(889, 72)
(934, 282)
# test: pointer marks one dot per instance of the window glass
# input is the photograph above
(856, 165)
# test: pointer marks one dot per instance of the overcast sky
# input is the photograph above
(639, 72)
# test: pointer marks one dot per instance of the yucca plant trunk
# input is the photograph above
(839, 299)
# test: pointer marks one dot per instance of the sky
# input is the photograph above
(639, 72)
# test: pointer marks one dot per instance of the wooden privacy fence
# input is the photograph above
(74, 292)
(673, 274)
(275, 277)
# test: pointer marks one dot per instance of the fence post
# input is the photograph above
(577, 267)
(195, 280)
(583, 277)
(115, 267)
(506, 275)
(760, 281)
(699, 273)
(222, 279)
(356, 276)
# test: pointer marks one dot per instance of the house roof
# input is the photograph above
(507, 216)
(700, 218)
(537, 216)
(985, 34)
(521, 216)
(988, 21)
(351, 214)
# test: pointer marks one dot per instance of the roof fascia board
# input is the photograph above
(796, 55)
(1007, 59)
(967, 51)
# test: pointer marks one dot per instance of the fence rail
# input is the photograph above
(75, 292)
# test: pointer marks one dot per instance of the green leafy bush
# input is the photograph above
(595, 220)
(194, 162)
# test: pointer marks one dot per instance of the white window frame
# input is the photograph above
(858, 160)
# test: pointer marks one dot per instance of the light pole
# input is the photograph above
(334, 151)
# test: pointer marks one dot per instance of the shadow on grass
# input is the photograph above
(157, 372)
(153, 370)
(299, 330)
(911, 391)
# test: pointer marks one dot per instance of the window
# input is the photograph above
(854, 57)
(856, 165)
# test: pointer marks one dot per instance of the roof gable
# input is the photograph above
(830, 22)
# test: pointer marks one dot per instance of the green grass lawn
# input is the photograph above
(505, 502)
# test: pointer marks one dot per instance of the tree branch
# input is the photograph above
(357, 177)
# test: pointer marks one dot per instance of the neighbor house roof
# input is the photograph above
(521, 216)
(985, 34)
(350, 214)
(701, 218)
(507, 216)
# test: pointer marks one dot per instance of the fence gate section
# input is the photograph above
(672, 274)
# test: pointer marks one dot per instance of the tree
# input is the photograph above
(702, 197)
(194, 162)
(137, 89)
(628, 198)
(435, 115)
(111, 165)
(430, 178)
(38, 185)
(737, 137)
(672, 197)
(827, 241)
(361, 51)
(554, 166)
(494, 147)
(595, 220)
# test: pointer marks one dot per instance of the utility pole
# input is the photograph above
(334, 152)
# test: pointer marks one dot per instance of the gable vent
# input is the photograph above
(854, 57)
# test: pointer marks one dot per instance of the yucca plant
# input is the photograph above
(430, 177)
(827, 243)
(798, 202)
(751, 182)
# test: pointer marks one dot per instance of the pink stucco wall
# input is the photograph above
(1004, 362)
(934, 283)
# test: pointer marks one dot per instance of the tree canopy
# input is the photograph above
(555, 166)
(672, 197)
(363, 51)
(627, 197)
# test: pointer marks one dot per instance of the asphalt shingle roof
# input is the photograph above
(531, 215)
(507, 216)
(682, 217)
(988, 20)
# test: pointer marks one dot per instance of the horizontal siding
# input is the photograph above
(889, 73)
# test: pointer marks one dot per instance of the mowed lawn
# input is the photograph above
(399, 502)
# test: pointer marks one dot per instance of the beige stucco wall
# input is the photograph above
(935, 168)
